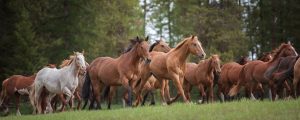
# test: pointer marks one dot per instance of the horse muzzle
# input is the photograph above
(201, 56)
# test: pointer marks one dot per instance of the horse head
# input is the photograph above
(160, 46)
(142, 48)
(216, 64)
(195, 47)
(80, 61)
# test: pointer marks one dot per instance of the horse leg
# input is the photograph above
(295, 86)
(64, 102)
(177, 82)
(97, 95)
(125, 83)
(18, 104)
(202, 93)
(152, 98)
(49, 106)
(144, 77)
(167, 90)
(273, 90)
(211, 93)
(110, 96)
(145, 98)
(162, 91)
(79, 99)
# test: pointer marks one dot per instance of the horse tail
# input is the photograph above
(236, 88)
(3, 92)
(106, 91)
(86, 88)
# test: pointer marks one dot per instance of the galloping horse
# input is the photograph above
(16, 85)
(114, 72)
(252, 73)
(152, 83)
(58, 81)
(230, 74)
(170, 66)
(280, 73)
(202, 76)
(296, 83)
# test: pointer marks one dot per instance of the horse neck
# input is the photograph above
(132, 56)
(275, 60)
(73, 68)
(207, 66)
(181, 53)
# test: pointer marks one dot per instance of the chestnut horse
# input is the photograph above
(158, 46)
(115, 72)
(16, 86)
(230, 74)
(296, 83)
(202, 76)
(170, 66)
(252, 74)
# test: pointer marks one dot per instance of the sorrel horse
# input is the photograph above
(280, 73)
(170, 66)
(252, 74)
(15, 86)
(230, 74)
(57, 81)
(296, 83)
(152, 83)
(202, 76)
(115, 72)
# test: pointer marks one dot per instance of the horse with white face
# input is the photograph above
(58, 81)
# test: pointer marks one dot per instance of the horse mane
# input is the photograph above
(180, 44)
(278, 50)
(153, 45)
(67, 62)
(130, 46)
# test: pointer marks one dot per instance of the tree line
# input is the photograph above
(35, 33)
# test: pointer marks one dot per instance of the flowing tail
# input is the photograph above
(236, 88)
(3, 92)
(86, 88)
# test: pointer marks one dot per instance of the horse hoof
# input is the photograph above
(200, 101)
(169, 102)
(164, 104)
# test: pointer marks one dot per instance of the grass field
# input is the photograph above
(244, 110)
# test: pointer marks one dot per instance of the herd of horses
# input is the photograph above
(141, 69)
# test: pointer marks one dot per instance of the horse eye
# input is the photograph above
(162, 46)
(195, 44)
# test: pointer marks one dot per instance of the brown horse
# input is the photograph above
(252, 74)
(230, 74)
(170, 66)
(281, 73)
(296, 83)
(158, 46)
(15, 86)
(115, 72)
(202, 76)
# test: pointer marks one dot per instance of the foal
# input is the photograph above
(202, 76)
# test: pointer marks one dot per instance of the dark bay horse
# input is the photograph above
(170, 66)
(252, 74)
(202, 76)
(281, 74)
(152, 83)
(107, 71)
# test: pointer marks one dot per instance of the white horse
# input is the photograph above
(57, 81)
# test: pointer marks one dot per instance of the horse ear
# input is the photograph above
(82, 52)
(147, 38)
(289, 42)
(193, 37)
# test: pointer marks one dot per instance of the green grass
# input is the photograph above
(244, 110)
